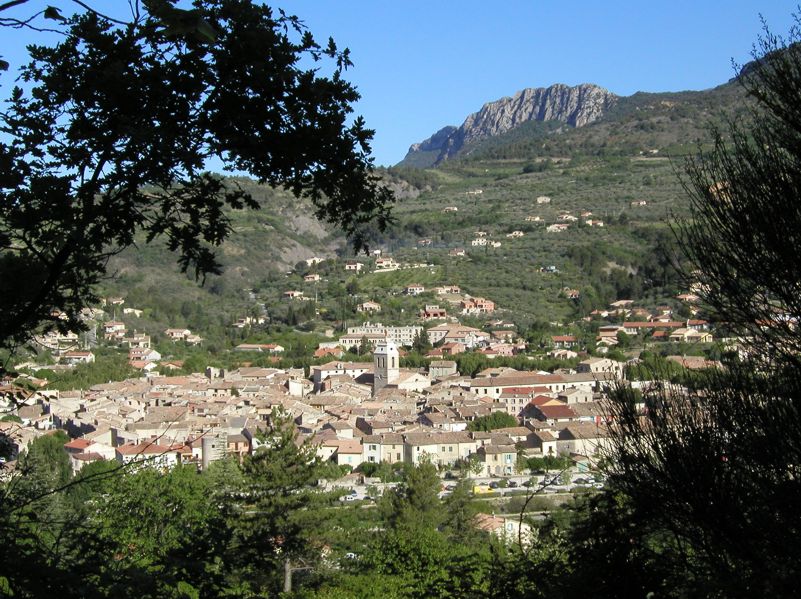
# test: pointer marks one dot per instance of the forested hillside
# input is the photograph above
(621, 172)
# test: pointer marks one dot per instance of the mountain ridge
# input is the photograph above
(576, 106)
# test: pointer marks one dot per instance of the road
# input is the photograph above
(481, 486)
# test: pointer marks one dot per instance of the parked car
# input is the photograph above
(512, 484)
(494, 485)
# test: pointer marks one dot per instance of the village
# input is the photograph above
(313, 306)
(374, 394)
(355, 413)
(361, 412)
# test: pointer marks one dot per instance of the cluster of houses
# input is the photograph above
(459, 302)
(381, 264)
(352, 412)
(658, 325)
(566, 219)
(66, 347)
(450, 338)
(248, 321)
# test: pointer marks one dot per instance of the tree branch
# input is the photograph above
(12, 4)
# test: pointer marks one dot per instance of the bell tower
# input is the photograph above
(386, 365)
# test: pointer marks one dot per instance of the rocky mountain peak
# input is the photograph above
(576, 106)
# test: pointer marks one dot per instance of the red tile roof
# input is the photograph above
(143, 448)
(562, 411)
(78, 444)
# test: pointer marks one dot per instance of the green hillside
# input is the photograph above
(621, 171)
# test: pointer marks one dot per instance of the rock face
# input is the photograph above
(435, 142)
(576, 106)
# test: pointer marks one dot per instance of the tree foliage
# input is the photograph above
(429, 549)
(111, 129)
(745, 217)
(272, 526)
(492, 421)
(714, 460)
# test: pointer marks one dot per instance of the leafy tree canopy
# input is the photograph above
(492, 421)
(110, 131)
(716, 459)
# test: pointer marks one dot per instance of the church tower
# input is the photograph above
(386, 365)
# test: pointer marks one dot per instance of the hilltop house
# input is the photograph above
(564, 341)
(386, 264)
(368, 306)
(113, 330)
(477, 305)
(272, 348)
(352, 265)
(177, 334)
(77, 357)
(433, 312)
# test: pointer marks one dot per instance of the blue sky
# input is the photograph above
(423, 65)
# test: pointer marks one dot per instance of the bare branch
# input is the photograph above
(12, 4)
(98, 13)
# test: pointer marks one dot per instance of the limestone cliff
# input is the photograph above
(576, 106)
